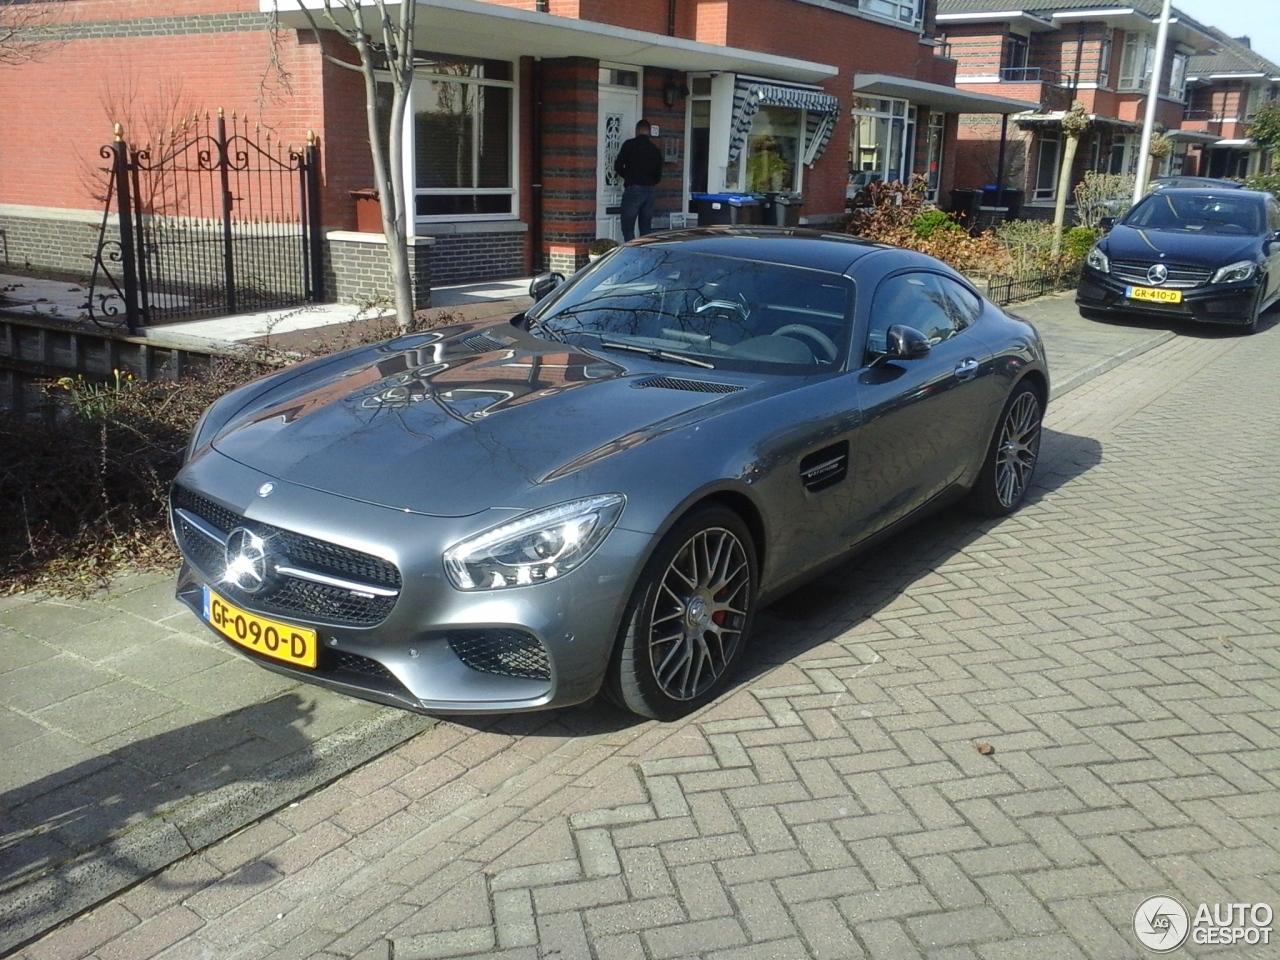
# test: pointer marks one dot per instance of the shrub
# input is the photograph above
(1028, 245)
(1077, 242)
(929, 222)
(600, 246)
(895, 209)
(1266, 182)
(1101, 195)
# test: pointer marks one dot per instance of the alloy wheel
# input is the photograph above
(699, 612)
(1019, 447)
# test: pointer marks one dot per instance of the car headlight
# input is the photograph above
(1235, 272)
(1098, 260)
(538, 546)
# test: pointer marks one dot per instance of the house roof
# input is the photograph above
(1233, 58)
(1072, 9)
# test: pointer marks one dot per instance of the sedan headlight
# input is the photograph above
(1098, 260)
(535, 547)
(1235, 272)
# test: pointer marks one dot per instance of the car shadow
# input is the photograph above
(102, 824)
(1183, 328)
(839, 599)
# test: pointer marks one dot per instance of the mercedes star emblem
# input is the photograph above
(246, 556)
(1158, 273)
(265, 489)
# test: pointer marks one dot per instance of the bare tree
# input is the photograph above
(1074, 124)
(29, 31)
(383, 40)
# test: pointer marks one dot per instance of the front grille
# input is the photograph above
(507, 653)
(288, 596)
(1181, 277)
(694, 386)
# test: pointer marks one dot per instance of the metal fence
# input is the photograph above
(214, 223)
(1006, 290)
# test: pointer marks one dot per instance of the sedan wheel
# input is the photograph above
(687, 619)
(1011, 459)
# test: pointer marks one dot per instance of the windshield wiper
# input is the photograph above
(653, 353)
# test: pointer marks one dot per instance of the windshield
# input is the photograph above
(1197, 213)
(710, 311)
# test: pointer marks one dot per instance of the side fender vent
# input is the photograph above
(826, 467)
(693, 386)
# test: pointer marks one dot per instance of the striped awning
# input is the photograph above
(752, 93)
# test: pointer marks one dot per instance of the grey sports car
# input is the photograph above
(598, 494)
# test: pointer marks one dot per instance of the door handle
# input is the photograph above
(967, 369)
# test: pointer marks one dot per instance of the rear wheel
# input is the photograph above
(688, 618)
(1011, 458)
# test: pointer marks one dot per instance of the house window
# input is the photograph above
(1124, 153)
(463, 129)
(1178, 77)
(883, 140)
(1104, 61)
(933, 158)
(1136, 61)
(772, 151)
(904, 11)
(1016, 49)
(1048, 146)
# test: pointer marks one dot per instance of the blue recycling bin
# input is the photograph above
(721, 208)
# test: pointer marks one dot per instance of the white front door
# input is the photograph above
(619, 111)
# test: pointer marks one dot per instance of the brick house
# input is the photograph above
(516, 112)
(1057, 51)
(1226, 86)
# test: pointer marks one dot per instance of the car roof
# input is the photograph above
(1171, 183)
(815, 249)
(1229, 194)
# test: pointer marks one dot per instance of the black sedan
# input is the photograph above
(1193, 254)
(601, 492)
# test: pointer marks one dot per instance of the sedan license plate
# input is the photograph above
(1154, 295)
(280, 641)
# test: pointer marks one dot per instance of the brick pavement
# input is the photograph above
(1114, 644)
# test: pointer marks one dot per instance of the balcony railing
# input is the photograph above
(1034, 75)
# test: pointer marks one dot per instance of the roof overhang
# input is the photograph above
(1243, 144)
(942, 98)
(1055, 117)
(1020, 18)
(1191, 136)
(475, 29)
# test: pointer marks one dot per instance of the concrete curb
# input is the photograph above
(1082, 377)
(31, 909)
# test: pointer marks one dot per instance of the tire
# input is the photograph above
(1011, 456)
(688, 618)
(1251, 325)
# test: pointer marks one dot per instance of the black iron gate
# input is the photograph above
(214, 224)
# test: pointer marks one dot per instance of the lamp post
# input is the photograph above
(1153, 100)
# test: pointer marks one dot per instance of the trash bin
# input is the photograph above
(781, 209)
(719, 208)
(1013, 200)
(965, 204)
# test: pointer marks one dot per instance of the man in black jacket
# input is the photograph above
(639, 164)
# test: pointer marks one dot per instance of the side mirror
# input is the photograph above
(544, 284)
(1106, 223)
(906, 343)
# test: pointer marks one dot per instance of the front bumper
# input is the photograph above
(438, 649)
(1211, 303)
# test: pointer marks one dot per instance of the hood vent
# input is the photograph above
(483, 343)
(693, 386)
(826, 467)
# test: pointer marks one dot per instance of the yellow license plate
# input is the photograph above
(279, 641)
(1151, 293)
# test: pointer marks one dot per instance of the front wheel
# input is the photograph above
(1011, 457)
(687, 619)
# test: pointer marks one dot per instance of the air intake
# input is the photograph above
(826, 467)
(691, 386)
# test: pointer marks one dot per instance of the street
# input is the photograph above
(983, 740)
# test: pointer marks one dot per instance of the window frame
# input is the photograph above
(424, 75)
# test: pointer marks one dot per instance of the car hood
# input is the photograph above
(1178, 246)
(452, 424)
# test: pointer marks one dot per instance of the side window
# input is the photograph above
(965, 306)
(913, 299)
